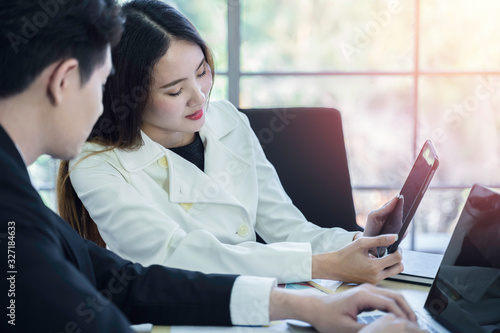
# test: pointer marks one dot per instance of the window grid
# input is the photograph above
(235, 74)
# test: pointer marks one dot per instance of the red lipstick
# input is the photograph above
(195, 116)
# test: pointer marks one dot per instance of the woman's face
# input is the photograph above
(176, 109)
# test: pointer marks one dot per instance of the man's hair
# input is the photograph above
(37, 33)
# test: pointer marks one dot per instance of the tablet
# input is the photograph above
(411, 194)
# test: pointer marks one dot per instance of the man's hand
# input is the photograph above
(338, 312)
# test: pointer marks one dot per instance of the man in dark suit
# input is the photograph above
(54, 60)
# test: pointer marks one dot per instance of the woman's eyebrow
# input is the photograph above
(173, 83)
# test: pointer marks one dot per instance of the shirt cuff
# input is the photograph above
(249, 303)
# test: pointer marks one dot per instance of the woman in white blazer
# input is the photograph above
(172, 179)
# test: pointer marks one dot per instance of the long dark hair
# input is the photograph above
(149, 30)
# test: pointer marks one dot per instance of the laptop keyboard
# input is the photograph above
(366, 319)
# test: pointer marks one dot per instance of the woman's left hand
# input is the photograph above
(385, 220)
(378, 220)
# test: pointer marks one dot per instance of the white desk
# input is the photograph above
(277, 327)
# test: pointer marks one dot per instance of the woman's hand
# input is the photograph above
(354, 263)
(378, 221)
(386, 220)
(357, 262)
(392, 324)
(338, 312)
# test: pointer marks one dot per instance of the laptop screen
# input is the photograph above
(465, 295)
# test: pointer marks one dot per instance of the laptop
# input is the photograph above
(465, 295)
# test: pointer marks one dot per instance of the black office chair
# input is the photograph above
(306, 146)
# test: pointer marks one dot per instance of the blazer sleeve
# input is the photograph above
(162, 295)
(137, 230)
(169, 296)
(278, 220)
(53, 294)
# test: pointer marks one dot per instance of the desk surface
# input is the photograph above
(414, 294)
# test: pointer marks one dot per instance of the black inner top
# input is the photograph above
(193, 152)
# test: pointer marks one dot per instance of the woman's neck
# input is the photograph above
(169, 139)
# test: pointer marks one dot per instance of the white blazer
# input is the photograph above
(154, 207)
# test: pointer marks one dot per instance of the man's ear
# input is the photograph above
(64, 75)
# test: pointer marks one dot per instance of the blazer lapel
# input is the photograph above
(138, 159)
(225, 166)
(188, 184)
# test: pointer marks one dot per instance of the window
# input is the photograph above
(394, 70)
(43, 176)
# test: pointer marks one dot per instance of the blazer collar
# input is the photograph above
(150, 151)
(219, 127)
(138, 159)
(11, 147)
